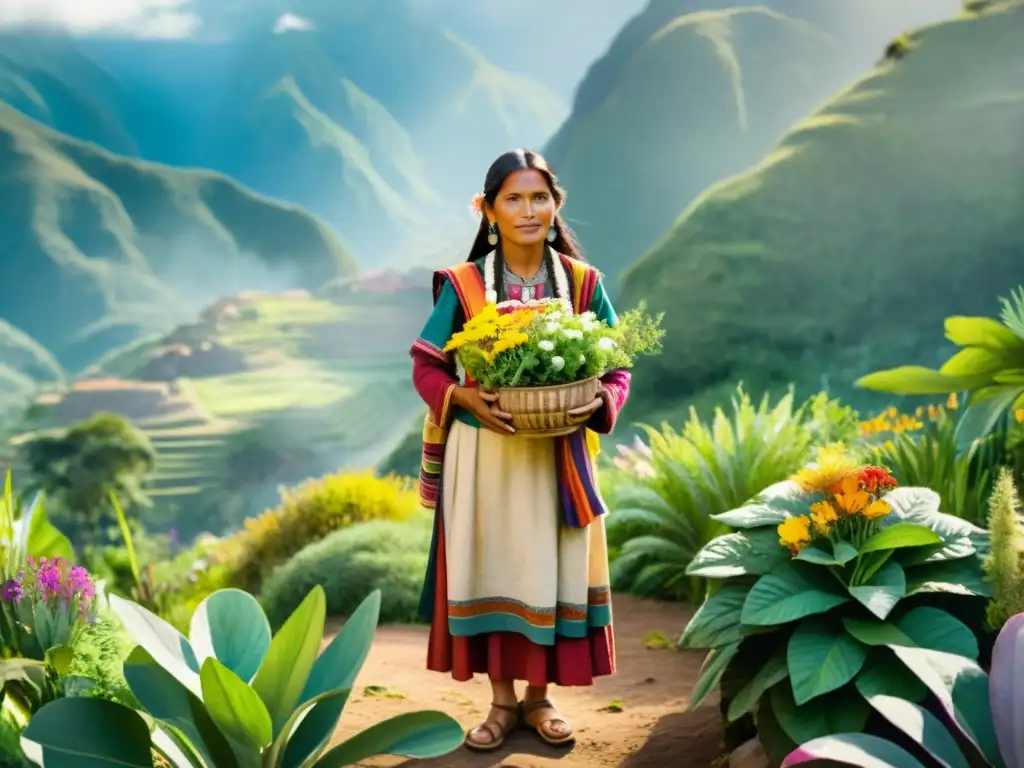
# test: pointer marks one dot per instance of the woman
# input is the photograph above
(512, 591)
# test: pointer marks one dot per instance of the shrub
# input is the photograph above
(351, 563)
(1004, 565)
(663, 497)
(311, 511)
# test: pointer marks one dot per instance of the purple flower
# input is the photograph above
(49, 578)
(12, 591)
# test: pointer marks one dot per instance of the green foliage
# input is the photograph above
(233, 694)
(988, 365)
(81, 467)
(664, 499)
(1004, 565)
(802, 637)
(11, 755)
(309, 512)
(382, 555)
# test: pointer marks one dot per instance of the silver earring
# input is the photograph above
(492, 234)
(552, 234)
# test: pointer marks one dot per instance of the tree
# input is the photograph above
(80, 468)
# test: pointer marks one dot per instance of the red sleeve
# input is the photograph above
(614, 391)
(435, 381)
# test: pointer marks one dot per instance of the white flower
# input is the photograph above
(491, 297)
(572, 333)
(588, 325)
(606, 342)
(558, 362)
(551, 327)
(588, 317)
(583, 358)
(546, 345)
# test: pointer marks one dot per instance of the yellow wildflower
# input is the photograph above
(1019, 415)
(834, 464)
(508, 340)
(876, 509)
(823, 515)
(795, 533)
(850, 499)
(951, 402)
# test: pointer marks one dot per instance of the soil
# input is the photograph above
(636, 718)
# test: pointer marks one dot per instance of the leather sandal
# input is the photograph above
(555, 741)
(498, 732)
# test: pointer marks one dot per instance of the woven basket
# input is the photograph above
(543, 411)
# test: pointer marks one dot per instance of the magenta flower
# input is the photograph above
(11, 591)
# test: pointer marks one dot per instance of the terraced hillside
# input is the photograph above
(263, 389)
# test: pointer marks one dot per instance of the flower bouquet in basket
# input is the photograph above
(543, 360)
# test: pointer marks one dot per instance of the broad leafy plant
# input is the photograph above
(665, 495)
(989, 365)
(233, 696)
(820, 567)
(980, 716)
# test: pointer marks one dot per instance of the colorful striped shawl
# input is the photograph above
(580, 500)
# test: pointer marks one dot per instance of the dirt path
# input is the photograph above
(635, 718)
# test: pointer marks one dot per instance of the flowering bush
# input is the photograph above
(825, 573)
(543, 343)
(48, 599)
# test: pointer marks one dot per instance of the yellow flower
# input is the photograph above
(850, 499)
(876, 509)
(795, 533)
(834, 464)
(951, 402)
(1019, 415)
(823, 515)
(509, 339)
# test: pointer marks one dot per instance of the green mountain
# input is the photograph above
(693, 91)
(893, 206)
(99, 249)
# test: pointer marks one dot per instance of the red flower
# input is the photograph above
(876, 479)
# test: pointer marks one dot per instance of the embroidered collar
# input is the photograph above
(490, 278)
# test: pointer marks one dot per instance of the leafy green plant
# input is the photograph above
(989, 365)
(821, 568)
(665, 498)
(1004, 565)
(233, 696)
(980, 721)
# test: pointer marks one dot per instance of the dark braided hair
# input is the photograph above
(507, 164)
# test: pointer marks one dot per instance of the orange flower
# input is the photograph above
(876, 509)
(823, 515)
(795, 533)
(850, 499)
(951, 403)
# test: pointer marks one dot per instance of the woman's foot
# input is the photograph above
(491, 734)
(549, 725)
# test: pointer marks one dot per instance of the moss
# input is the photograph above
(892, 207)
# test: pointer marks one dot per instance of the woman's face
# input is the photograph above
(524, 208)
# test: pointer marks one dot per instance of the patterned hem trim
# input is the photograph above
(503, 622)
(599, 603)
(435, 351)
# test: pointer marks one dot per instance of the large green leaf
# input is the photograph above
(912, 504)
(976, 360)
(982, 415)
(165, 698)
(164, 643)
(790, 592)
(961, 687)
(283, 675)
(933, 628)
(981, 332)
(858, 749)
(234, 706)
(42, 539)
(884, 675)
(90, 732)
(415, 734)
(774, 670)
(711, 673)
(917, 380)
(842, 553)
(840, 711)
(900, 535)
(230, 626)
(753, 552)
(769, 508)
(335, 670)
(922, 727)
(956, 577)
(883, 591)
(296, 744)
(822, 657)
(876, 633)
(717, 621)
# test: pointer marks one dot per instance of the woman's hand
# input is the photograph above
(484, 405)
(584, 412)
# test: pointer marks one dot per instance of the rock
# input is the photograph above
(749, 754)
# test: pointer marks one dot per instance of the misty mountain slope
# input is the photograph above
(692, 91)
(99, 248)
(895, 205)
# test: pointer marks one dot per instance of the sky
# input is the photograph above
(137, 18)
